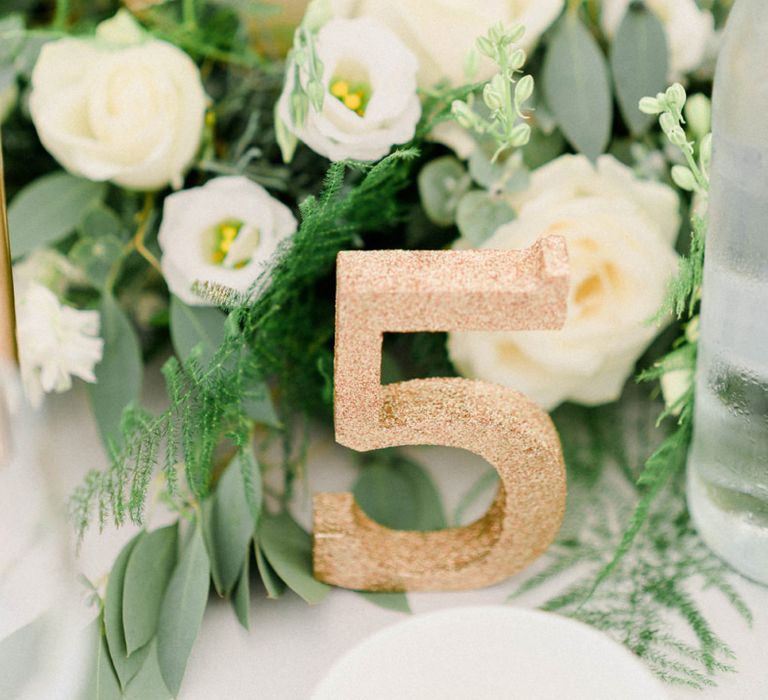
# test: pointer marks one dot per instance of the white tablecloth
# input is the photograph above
(290, 645)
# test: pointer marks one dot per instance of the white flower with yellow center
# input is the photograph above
(56, 342)
(620, 232)
(689, 30)
(121, 106)
(225, 232)
(370, 103)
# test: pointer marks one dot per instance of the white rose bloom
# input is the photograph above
(224, 232)
(442, 32)
(620, 233)
(689, 30)
(370, 103)
(120, 107)
(56, 342)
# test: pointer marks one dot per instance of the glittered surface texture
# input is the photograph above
(408, 291)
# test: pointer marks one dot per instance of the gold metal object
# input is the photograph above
(8, 349)
(408, 291)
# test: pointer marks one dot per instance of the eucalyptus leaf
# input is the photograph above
(399, 494)
(118, 375)
(21, 656)
(577, 87)
(288, 549)
(126, 666)
(100, 221)
(241, 599)
(147, 575)
(507, 174)
(543, 147)
(228, 522)
(182, 610)
(273, 584)
(389, 601)
(196, 327)
(640, 64)
(48, 209)
(101, 682)
(258, 406)
(480, 214)
(442, 182)
(96, 257)
(148, 683)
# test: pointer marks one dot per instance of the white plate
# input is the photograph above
(489, 653)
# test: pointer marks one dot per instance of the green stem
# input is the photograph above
(189, 13)
(61, 14)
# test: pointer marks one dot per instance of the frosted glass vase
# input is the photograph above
(728, 463)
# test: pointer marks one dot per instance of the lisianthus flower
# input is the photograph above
(370, 103)
(224, 232)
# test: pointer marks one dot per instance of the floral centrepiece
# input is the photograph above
(224, 233)
(620, 232)
(171, 197)
(122, 107)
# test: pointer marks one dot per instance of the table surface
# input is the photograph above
(291, 645)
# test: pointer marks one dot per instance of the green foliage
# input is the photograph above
(49, 209)
(480, 214)
(649, 589)
(181, 613)
(684, 290)
(639, 63)
(442, 183)
(577, 87)
(398, 493)
(198, 328)
(101, 681)
(118, 375)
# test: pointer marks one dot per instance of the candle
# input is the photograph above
(728, 467)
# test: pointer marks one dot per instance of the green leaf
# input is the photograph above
(48, 209)
(100, 221)
(258, 406)
(480, 215)
(640, 64)
(288, 549)
(507, 174)
(96, 256)
(182, 610)
(148, 683)
(241, 599)
(273, 584)
(102, 683)
(389, 601)
(21, 656)
(442, 182)
(126, 666)
(399, 494)
(228, 524)
(196, 327)
(118, 375)
(149, 570)
(577, 87)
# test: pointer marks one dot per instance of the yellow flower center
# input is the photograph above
(225, 233)
(354, 97)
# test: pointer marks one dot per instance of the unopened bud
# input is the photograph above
(705, 153)
(462, 114)
(668, 123)
(698, 113)
(650, 105)
(523, 89)
(517, 59)
(520, 135)
(676, 96)
(683, 178)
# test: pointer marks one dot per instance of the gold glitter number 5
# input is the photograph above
(408, 291)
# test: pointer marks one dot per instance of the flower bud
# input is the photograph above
(668, 123)
(299, 107)
(491, 97)
(316, 93)
(520, 135)
(677, 137)
(517, 59)
(523, 89)
(515, 33)
(462, 114)
(676, 97)
(698, 113)
(683, 178)
(705, 153)
(485, 47)
(650, 105)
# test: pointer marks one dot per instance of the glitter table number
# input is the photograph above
(410, 291)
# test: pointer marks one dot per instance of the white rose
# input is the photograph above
(120, 107)
(224, 232)
(689, 30)
(370, 102)
(620, 233)
(442, 32)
